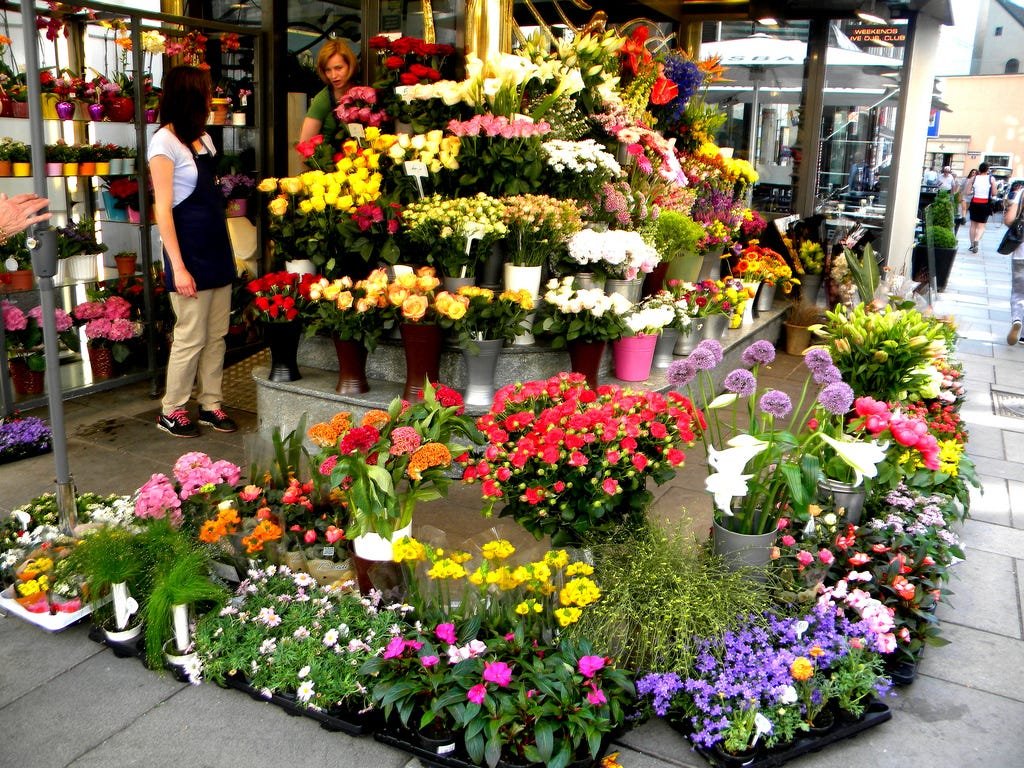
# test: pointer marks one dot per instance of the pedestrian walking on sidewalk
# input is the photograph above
(965, 193)
(982, 192)
(198, 264)
(1016, 267)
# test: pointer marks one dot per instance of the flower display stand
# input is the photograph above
(281, 404)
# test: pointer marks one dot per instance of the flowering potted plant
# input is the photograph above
(766, 268)
(197, 484)
(772, 465)
(108, 324)
(634, 352)
(279, 300)
(412, 295)
(23, 338)
(393, 460)
(586, 314)
(407, 61)
(577, 169)
(284, 635)
(546, 474)
(76, 248)
(22, 437)
(237, 188)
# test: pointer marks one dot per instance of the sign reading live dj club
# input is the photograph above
(869, 33)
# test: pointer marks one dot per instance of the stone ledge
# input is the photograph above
(282, 404)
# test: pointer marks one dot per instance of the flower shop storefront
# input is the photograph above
(535, 278)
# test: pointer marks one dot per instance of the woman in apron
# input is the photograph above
(198, 264)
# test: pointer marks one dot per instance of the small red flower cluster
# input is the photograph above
(410, 59)
(279, 296)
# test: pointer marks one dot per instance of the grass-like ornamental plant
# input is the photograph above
(662, 593)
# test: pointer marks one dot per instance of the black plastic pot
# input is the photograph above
(943, 265)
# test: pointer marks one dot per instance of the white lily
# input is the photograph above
(862, 456)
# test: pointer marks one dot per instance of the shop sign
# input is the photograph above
(867, 33)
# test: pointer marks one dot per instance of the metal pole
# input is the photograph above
(44, 264)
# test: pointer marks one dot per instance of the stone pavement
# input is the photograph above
(65, 701)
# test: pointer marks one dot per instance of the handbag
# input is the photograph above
(1013, 236)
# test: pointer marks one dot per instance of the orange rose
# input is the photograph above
(397, 295)
(345, 300)
(414, 308)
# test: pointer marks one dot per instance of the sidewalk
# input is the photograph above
(66, 701)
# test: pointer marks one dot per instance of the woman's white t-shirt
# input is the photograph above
(166, 144)
(981, 191)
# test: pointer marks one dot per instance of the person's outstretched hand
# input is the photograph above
(21, 211)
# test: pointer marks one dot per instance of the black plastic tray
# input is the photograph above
(876, 714)
(352, 723)
(406, 741)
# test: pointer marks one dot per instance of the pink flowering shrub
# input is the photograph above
(108, 323)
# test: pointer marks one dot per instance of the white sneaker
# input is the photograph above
(1014, 335)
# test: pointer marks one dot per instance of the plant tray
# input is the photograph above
(404, 740)
(51, 623)
(354, 723)
(17, 454)
(876, 714)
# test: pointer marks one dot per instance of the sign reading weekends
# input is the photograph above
(868, 33)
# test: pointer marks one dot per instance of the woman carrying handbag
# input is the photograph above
(1010, 216)
(983, 192)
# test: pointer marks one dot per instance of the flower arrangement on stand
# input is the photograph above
(23, 339)
(538, 229)
(541, 467)
(756, 264)
(583, 320)
(405, 62)
(499, 156)
(455, 232)
(279, 300)
(618, 254)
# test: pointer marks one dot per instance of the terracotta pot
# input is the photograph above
(351, 367)
(5, 168)
(87, 168)
(422, 344)
(125, 265)
(21, 280)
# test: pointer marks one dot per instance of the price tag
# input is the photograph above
(328, 551)
(474, 231)
(355, 130)
(416, 168)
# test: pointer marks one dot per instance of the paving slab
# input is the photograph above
(994, 538)
(984, 596)
(189, 729)
(32, 657)
(991, 503)
(980, 660)
(79, 709)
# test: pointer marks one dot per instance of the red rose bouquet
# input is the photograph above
(279, 297)
(573, 462)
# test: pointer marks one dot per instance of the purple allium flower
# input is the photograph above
(775, 403)
(681, 372)
(707, 355)
(836, 398)
(817, 358)
(759, 353)
(827, 375)
(741, 381)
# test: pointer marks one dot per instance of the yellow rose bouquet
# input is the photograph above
(478, 314)
(439, 153)
(350, 311)
(411, 295)
(320, 215)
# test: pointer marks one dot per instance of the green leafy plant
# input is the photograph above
(864, 271)
(673, 233)
(855, 680)
(662, 593)
(109, 556)
(183, 581)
